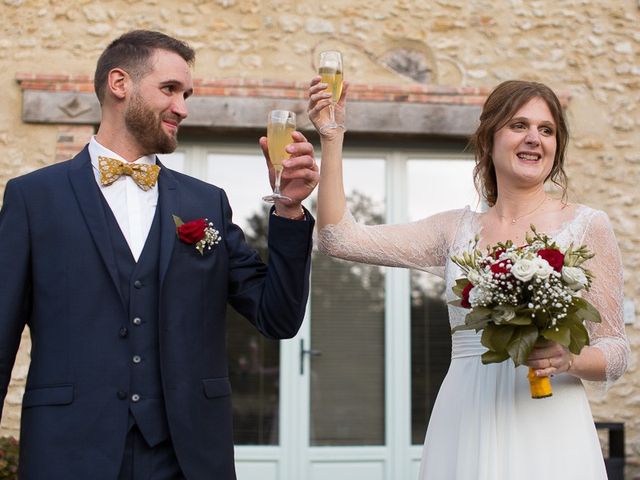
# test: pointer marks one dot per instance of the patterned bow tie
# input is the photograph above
(143, 174)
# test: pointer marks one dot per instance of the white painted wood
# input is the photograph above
(257, 469)
(348, 471)
(294, 458)
(397, 327)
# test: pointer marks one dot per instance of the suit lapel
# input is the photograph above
(88, 195)
(169, 206)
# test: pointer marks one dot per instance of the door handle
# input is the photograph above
(303, 352)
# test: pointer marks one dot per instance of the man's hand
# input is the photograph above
(300, 176)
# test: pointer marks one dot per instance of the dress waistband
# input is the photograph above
(466, 343)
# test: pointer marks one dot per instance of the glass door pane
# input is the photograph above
(254, 361)
(347, 397)
(433, 186)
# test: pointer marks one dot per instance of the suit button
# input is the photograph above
(135, 398)
(136, 359)
(122, 394)
(137, 321)
(123, 332)
(137, 284)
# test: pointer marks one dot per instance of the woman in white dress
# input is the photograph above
(485, 425)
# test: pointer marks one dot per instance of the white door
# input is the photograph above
(349, 397)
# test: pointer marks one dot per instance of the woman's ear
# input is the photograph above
(118, 83)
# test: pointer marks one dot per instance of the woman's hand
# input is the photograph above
(549, 358)
(318, 110)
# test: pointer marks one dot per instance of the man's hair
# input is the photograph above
(132, 52)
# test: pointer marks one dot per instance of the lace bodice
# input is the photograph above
(428, 244)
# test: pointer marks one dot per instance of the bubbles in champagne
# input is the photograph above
(332, 75)
(279, 129)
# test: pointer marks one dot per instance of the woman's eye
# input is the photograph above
(546, 131)
(518, 126)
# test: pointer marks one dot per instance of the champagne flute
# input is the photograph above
(280, 126)
(330, 69)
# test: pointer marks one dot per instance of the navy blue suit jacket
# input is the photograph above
(58, 276)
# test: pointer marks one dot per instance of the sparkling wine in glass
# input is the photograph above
(330, 69)
(280, 126)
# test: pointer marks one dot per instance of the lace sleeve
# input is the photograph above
(606, 294)
(423, 245)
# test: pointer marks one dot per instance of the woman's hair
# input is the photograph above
(501, 105)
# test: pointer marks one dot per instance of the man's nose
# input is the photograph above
(180, 107)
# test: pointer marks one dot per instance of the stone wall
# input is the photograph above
(589, 49)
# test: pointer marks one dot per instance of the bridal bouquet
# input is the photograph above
(517, 295)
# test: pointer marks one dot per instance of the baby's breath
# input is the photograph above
(535, 284)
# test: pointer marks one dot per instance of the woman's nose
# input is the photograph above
(532, 138)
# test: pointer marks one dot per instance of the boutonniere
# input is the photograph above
(198, 232)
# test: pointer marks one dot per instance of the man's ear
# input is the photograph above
(118, 83)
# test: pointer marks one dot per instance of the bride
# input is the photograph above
(484, 424)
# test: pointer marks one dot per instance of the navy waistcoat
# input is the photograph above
(139, 285)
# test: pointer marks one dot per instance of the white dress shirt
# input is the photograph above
(133, 207)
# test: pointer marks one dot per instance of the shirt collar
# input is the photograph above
(97, 150)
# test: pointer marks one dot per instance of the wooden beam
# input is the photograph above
(232, 112)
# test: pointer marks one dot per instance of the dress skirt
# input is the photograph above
(486, 426)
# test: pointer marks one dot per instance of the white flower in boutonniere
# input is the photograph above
(198, 232)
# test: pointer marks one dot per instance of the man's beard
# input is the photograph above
(143, 124)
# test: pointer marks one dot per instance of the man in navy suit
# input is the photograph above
(128, 375)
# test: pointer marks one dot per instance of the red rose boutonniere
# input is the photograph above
(198, 232)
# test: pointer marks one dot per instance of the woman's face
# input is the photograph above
(525, 148)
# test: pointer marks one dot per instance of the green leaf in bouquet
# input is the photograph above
(477, 314)
(460, 285)
(496, 337)
(579, 337)
(559, 333)
(521, 320)
(494, 357)
(585, 311)
(474, 320)
(461, 327)
(477, 324)
(522, 343)
(456, 303)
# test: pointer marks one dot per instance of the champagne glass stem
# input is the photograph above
(276, 189)
(332, 114)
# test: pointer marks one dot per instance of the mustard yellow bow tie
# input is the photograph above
(144, 174)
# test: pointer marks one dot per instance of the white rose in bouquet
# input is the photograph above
(502, 314)
(575, 277)
(524, 269)
(543, 269)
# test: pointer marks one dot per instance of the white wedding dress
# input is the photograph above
(484, 424)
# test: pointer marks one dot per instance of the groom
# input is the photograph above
(122, 269)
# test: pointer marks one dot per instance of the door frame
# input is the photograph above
(294, 458)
